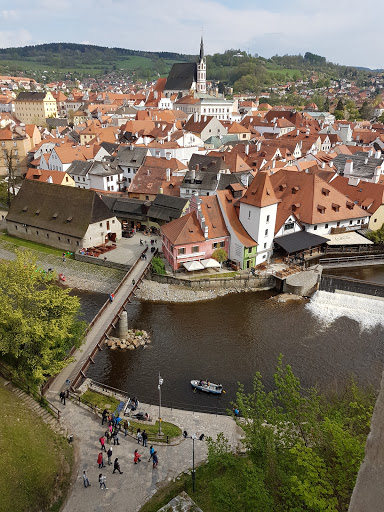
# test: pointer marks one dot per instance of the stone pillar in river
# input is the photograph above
(123, 325)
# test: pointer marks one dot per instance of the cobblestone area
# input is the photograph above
(83, 276)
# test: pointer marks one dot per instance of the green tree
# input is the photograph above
(340, 105)
(220, 255)
(38, 319)
(366, 111)
(158, 266)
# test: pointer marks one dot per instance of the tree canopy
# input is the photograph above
(303, 450)
(38, 319)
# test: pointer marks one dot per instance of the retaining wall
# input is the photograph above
(101, 262)
(240, 283)
(331, 284)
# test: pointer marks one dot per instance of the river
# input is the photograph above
(228, 339)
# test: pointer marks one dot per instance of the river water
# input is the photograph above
(228, 339)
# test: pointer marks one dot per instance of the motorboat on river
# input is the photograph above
(207, 387)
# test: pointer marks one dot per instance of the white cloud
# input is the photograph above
(19, 37)
(333, 28)
(8, 15)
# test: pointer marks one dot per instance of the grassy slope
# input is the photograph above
(33, 456)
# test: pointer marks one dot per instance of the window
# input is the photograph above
(101, 224)
(83, 179)
(326, 226)
(350, 222)
(47, 235)
(181, 251)
(249, 250)
(315, 228)
(266, 232)
(68, 240)
(268, 218)
(195, 248)
(58, 238)
(222, 244)
(77, 243)
(289, 225)
(358, 221)
(265, 246)
(249, 214)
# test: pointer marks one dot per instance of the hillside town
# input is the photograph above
(176, 157)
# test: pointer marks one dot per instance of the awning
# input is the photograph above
(299, 241)
(210, 263)
(351, 238)
(193, 265)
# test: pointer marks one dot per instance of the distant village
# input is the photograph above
(106, 158)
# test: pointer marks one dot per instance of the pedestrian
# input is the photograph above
(126, 426)
(136, 458)
(109, 453)
(117, 422)
(62, 397)
(100, 460)
(108, 436)
(141, 242)
(144, 436)
(115, 437)
(102, 480)
(85, 480)
(64, 258)
(133, 282)
(236, 411)
(151, 452)
(102, 443)
(138, 436)
(116, 466)
(111, 297)
(155, 459)
(104, 416)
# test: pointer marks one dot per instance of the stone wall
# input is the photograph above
(238, 282)
(101, 262)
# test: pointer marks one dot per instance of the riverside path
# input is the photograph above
(98, 330)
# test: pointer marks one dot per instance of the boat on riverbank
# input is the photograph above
(207, 387)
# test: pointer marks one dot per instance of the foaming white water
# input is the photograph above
(328, 307)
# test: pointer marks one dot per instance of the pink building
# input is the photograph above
(196, 235)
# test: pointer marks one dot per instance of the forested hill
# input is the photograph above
(235, 68)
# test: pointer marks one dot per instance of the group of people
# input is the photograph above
(114, 427)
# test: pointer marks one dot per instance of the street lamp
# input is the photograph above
(159, 388)
(193, 437)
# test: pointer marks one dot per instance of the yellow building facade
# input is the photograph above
(35, 107)
(15, 144)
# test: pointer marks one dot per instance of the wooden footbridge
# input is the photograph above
(100, 327)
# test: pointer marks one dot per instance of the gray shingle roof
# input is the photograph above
(57, 208)
(31, 96)
(181, 76)
(363, 165)
(130, 157)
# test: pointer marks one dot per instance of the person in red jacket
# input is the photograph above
(136, 457)
(100, 460)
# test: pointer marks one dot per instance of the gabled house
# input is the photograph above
(205, 126)
(56, 177)
(196, 235)
(67, 218)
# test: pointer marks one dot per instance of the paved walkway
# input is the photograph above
(100, 326)
(129, 491)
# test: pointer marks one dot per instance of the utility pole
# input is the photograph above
(159, 388)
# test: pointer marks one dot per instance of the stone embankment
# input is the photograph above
(158, 292)
(133, 339)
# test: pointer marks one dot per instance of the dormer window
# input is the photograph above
(55, 215)
(295, 189)
(325, 191)
(282, 187)
(295, 206)
(37, 212)
(25, 208)
(335, 207)
(69, 219)
(321, 209)
(350, 205)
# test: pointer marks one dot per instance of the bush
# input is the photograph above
(158, 266)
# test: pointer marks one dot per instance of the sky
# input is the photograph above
(344, 31)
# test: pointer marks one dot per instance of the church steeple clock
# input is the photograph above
(201, 84)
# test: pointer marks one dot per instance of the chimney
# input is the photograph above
(206, 232)
(330, 164)
(297, 133)
(258, 147)
(168, 174)
(193, 174)
(273, 164)
(197, 167)
(49, 179)
(247, 149)
(205, 119)
(195, 117)
(169, 137)
(161, 191)
(378, 154)
(370, 152)
(366, 160)
(348, 168)
(323, 165)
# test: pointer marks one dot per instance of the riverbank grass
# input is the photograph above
(18, 242)
(37, 461)
(109, 402)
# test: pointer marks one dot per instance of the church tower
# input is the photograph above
(201, 85)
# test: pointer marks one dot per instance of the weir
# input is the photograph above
(334, 284)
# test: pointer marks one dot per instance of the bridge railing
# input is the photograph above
(346, 259)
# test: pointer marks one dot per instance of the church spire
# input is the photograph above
(201, 49)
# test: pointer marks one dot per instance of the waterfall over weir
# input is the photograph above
(328, 307)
